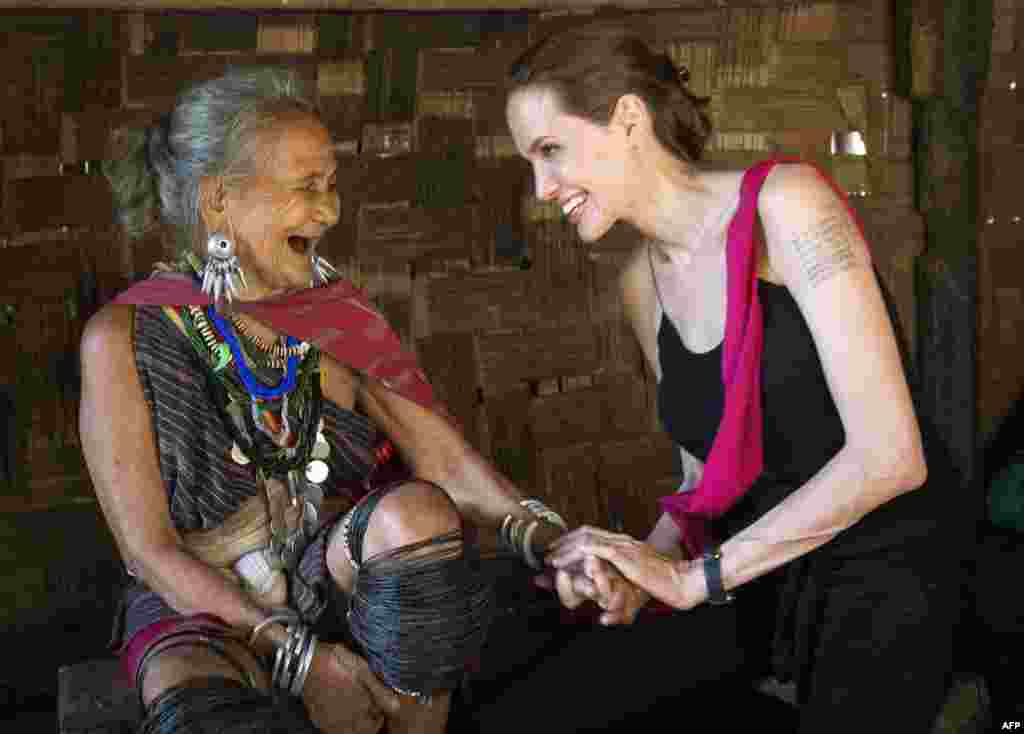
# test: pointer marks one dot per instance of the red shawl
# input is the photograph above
(736, 458)
(337, 318)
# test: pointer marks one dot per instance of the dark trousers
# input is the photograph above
(881, 661)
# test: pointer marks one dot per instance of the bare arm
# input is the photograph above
(120, 452)
(437, 452)
(817, 248)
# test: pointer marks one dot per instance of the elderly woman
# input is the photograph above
(229, 399)
(757, 307)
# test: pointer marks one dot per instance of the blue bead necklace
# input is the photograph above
(254, 387)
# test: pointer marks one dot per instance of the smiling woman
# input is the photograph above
(234, 397)
(803, 458)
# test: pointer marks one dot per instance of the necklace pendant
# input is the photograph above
(321, 449)
(317, 471)
(222, 356)
(237, 456)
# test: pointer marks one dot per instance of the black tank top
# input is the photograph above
(802, 429)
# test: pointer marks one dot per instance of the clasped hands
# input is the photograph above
(617, 572)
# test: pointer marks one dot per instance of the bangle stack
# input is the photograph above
(295, 657)
(517, 532)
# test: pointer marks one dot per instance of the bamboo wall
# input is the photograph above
(518, 324)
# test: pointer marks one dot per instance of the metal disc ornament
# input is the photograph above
(317, 471)
(237, 456)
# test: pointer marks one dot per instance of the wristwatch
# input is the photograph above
(712, 559)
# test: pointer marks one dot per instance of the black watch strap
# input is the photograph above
(713, 576)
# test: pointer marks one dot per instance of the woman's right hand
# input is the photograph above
(342, 695)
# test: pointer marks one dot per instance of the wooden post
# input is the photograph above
(946, 43)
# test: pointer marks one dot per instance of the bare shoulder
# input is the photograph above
(810, 233)
(107, 336)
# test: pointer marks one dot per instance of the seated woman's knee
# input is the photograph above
(177, 665)
(415, 511)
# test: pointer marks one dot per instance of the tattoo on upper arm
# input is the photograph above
(828, 247)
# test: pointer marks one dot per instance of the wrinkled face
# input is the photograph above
(578, 163)
(280, 212)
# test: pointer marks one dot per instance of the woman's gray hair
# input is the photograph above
(211, 131)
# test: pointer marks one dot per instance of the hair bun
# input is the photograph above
(668, 72)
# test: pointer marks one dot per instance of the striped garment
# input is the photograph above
(204, 486)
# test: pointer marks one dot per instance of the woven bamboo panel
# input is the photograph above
(450, 69)
(287, 33)
(665, 28)
(450, 361)
(871, 62)
(926, 49)
(743, 57)
(761, 109)
(618, 349)
(438, 135)
(476, 301)
(846, 20)
(155, 81)
(631, 475)
(566, 480)
(815, 68)
(86, 135)
(42, 322)
(701, 59)
(508, 358)
(626, 404)
(892, 181)
(569, 417)
(402, 233)
(47, 202)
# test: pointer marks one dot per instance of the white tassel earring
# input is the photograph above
(323, 271)
(222, 271)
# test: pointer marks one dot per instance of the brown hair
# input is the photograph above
(592, 65)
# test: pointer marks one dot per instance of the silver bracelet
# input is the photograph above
(527, 549)
(288, 618)
(544, 512)
(304, 665)
(298, 641)
(346, 524)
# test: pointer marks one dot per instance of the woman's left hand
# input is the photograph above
(666, 579)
